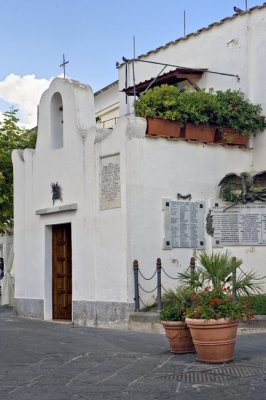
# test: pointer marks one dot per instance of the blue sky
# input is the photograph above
(93, 35)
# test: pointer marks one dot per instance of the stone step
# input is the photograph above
(150, 322)
(145, 322)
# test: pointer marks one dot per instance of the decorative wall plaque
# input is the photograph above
(183, 224)
(110, 187)
(241, 225)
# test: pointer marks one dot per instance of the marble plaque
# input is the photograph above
(110, 187)
(240, 225)
(183, 224)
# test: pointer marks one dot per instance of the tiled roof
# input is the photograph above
(170, 77)
(106, 88)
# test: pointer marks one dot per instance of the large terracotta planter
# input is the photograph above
(214, 340)
(179, 337)
(231, 137)
(163, 127)
(201, 133)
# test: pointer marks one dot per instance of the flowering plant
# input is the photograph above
(215, 303)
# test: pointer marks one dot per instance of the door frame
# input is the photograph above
(65, 233)
(48, 269)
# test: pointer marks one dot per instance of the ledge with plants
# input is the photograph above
(222, 117)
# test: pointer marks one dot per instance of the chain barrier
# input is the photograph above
(147, 291)
(159, 287)
(169, 276)
(147, 279)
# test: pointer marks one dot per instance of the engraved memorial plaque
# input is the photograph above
(110, 187)
(183, 224)
(240, 225)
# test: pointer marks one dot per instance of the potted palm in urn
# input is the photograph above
(214, 315)
(172, 315)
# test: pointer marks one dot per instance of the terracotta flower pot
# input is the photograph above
(178, 336)
(214, 340)
(231, 137)
(163, 127)
(201, 133)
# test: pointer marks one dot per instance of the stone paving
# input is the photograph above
(52, 361)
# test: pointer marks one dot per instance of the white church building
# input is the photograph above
(90, 200)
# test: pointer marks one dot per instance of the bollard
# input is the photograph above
(234, 295)
(159, 284)
(192, 268)
(136, 284)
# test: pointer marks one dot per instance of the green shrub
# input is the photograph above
(160, 101)
(257, 303)
(237, 112)
(229, 109)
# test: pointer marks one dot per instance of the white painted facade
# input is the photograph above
(106, 241)
(107, 106)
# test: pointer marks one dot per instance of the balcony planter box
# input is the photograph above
(163, 127)
(231, 137)
(201, 133)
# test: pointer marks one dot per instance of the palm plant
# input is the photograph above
(219, 270)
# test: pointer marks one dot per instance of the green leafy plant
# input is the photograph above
(217, 269)
(215, 303)
(228, 108)
(175, 303)
(198, 107)
(160, 101)
(12, 136)
(238, 113)
(229, 194)
(257, 303)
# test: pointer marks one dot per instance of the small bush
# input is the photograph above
(257, 303)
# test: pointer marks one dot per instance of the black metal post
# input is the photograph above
(136, 283)
(192, 268)
(159, 284)
(234, 295)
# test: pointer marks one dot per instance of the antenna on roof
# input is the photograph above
(184, 22)
(133, 67)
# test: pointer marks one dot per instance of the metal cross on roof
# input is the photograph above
(63, 65)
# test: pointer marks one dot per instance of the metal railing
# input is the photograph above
(159, 270)
(159, 287)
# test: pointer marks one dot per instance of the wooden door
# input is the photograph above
(62, 272)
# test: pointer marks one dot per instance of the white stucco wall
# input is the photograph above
(232, 47)
(105, 242)
(107, 105)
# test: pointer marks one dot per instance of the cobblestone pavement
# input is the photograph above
(44, 360)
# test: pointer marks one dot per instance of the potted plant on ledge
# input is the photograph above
(237, 118)
(172, 315)
(225, 117)
(159, 106)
